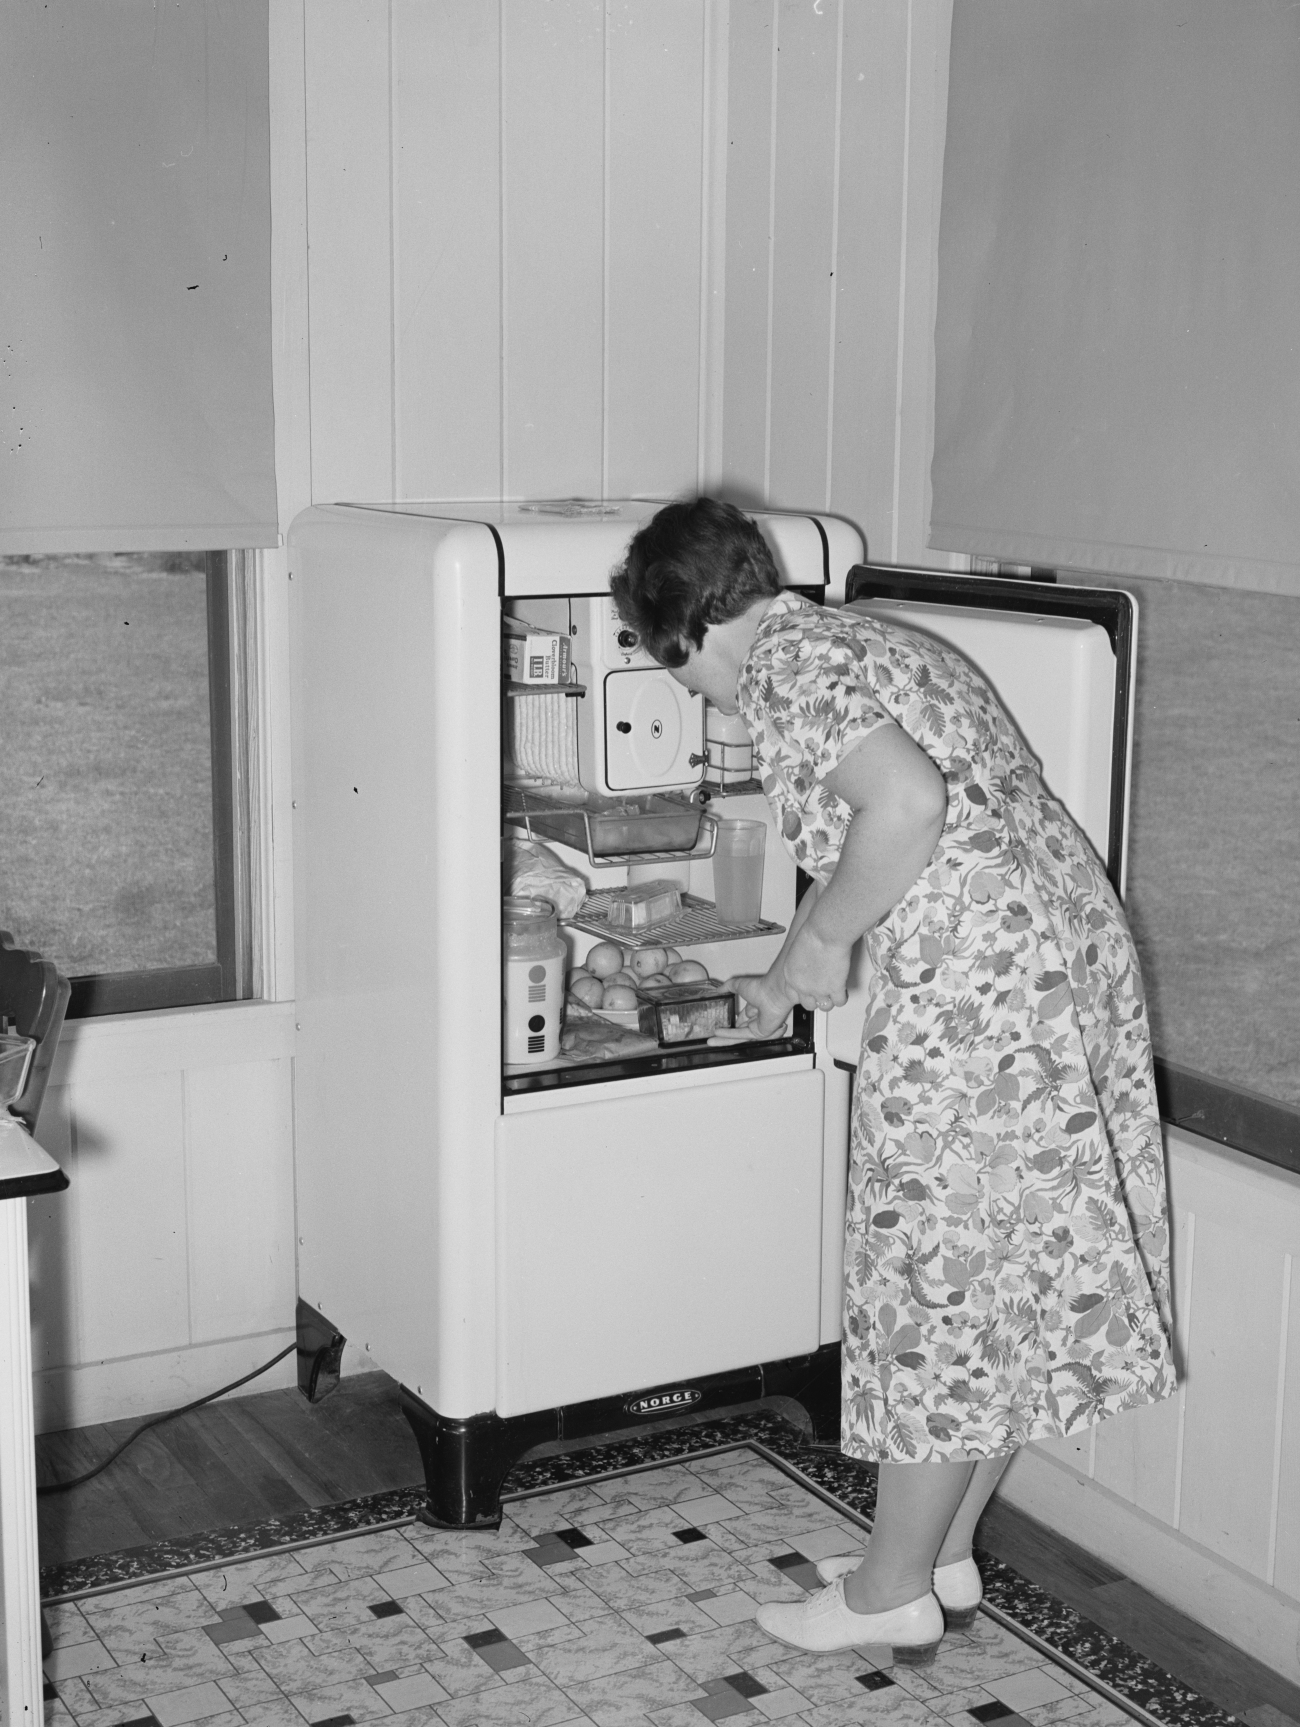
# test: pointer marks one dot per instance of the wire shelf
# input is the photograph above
(695, 923)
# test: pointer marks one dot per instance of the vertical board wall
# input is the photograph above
(167, 1269)
(1198, 1498)
(507, 269)
(835, 147)
(596, 247)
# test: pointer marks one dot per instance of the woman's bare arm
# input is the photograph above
(899, 802)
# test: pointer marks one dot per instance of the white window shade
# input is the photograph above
(1118, 333)
(135, 295)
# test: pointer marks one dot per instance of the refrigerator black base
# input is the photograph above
(466, 1460)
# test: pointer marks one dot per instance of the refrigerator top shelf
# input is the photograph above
(697, 922)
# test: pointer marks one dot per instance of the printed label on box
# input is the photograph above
(536, 657)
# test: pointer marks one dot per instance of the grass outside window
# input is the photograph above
(120, 836)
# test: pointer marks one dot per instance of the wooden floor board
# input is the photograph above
(241, 1460)
(1215, 1667)
(277, 1496)
(212, 1453)
(284, 1458)
(159, 1488)
(1062, 1566)
(319, 1437)
(101, 1516)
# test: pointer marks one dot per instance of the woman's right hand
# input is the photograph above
(764, 1004)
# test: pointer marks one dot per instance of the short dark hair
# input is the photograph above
(694, 563)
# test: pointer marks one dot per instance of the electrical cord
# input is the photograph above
(157, 1421)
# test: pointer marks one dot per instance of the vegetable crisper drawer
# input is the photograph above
(671, 1234)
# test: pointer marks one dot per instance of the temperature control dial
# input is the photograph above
(627, 639)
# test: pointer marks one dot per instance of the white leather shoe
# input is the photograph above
(825, 1621)
(958, 1587)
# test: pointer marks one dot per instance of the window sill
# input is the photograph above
(132, 1044)
(1244, 1121)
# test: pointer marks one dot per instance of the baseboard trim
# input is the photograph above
(1245, 1611)
(140, 1385)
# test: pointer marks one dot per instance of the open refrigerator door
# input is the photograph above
(1062, 661)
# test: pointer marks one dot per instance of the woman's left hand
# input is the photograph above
(810, 973)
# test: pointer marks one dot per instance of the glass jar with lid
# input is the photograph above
(533, 959)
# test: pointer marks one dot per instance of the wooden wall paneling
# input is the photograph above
(713, 308)
(656, 112)
(1137, 1454)
(930, 27)
(1285, 1565)
(751, 59)
(1136, 1457)
(289, 323)
(803, 262)
(447, 219)
(349, 235)
(554, 148)
(870, 226)
(239, 1195)
(131, 1245)
(1074, 1449)
(51, 1233)
(1228, 1432)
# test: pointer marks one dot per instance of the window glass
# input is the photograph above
(106, 787)
(1214, 854)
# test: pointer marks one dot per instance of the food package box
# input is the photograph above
(686, 1012)
(643, 904)
(534, 656)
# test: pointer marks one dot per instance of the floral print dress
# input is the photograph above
(1006, 1257)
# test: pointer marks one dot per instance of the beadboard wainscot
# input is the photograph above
(167, 1269)
(1198, 1499)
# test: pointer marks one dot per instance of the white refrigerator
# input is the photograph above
(538, 1253)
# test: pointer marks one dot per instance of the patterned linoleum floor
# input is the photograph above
(626, 1601)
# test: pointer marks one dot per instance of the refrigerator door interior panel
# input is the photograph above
(640, 1245)
(1062, 660)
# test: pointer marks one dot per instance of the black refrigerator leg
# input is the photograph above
(465, 1462)
(814, 1382)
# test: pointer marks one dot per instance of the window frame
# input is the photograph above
(233, 975)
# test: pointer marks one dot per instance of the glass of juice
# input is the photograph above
(738, 870)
